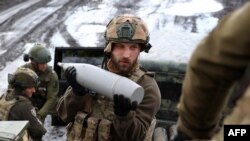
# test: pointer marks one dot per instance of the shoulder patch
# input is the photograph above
(33, 112)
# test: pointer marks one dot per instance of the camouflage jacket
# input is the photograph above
(219, 60)
(45, 97)
(132, 127)
(24, 110)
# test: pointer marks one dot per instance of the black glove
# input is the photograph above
(122, 105)
(70, 74)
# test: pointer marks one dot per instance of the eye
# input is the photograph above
(134, 47)
(118, 46)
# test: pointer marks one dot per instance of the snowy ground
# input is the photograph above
(176, 27)
(171, 34)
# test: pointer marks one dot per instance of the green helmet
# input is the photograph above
(22, 78)
(127, 28)
(39, 54)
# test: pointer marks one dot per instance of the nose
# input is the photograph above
(33, 89)
(42, 66)
(126, 53)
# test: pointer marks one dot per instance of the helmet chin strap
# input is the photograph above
(35, 65)
(105, 60)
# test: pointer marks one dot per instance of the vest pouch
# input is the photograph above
(91, 131)
(104, 130)
(76, 130)
(5, 106)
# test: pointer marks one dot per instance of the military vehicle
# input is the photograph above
(169, 76)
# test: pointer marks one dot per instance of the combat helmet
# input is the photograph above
(39, 54)
(23, 78)
(127, 28)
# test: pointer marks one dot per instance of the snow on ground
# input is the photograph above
(10, 12)
(85, 27)
(172, 46)
(192, 8)
(54, 133)
(58, 40)
(28, 22)
(169, 41)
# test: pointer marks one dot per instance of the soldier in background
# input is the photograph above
(219, 61)
(45, 97)
(101, 118)
(23, 82)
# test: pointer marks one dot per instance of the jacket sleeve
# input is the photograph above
(70, 104)
(219, 60)
(51, 97)
(134, 126)
(36, 128)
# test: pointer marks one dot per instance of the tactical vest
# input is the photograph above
(6, 104)
(7, 101)
(97, 125)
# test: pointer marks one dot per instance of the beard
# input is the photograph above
(123, 65)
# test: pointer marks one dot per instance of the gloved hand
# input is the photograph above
(122, 105)
(70, 74)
